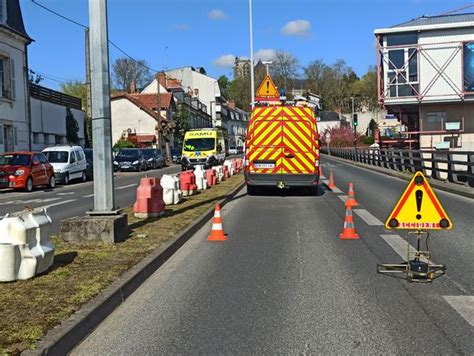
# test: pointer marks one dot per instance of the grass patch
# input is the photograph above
(28, 309)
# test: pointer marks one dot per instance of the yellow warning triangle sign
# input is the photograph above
(418, 208)
(267, 89)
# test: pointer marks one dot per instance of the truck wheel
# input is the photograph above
(252, 190)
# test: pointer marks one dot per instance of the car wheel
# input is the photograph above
(84, 176)
(52, 182)
(29, 185)
(66, 179)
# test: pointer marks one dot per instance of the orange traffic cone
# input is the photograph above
(348, 232)
(351, 202)
(217, 232)
(331, 184)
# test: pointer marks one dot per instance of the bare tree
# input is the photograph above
(285, 69)
(126, 71)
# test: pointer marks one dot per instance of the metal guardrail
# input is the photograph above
(453, 166)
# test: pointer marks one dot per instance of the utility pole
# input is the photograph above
(252, 74)
(88, 81)
(104, 203)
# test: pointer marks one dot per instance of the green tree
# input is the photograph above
(124, 143)
(182, 120)
(79, 90)
(284, 70)
(72, 128)
(224, 83)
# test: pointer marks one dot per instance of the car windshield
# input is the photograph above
(57, 156)
(199, 144)
(127, 155)
(148, 153)
(15, 160)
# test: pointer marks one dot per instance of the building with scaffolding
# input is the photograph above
(425, 74)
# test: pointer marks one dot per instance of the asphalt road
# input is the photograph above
(285, 283)
(77, 198)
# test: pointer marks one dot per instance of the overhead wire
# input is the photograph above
(86, 27)
(457, 10)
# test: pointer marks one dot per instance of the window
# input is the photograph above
(3, 11)
(402, 76)
(42, 158)
(36, 138)
(72, 157)
(7, 77)
(46, 139)
(434, 121)
(57, 156)
(400, 39)
(80, 155)
(469, 67)
(1, 135)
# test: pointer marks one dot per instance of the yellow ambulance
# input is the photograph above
(205, 147)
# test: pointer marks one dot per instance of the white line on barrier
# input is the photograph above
(58, 203)
(464, 305)
(126, 186)
(368, 217)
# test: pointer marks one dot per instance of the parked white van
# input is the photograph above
(69, 163)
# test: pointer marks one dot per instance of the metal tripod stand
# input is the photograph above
(418, 267)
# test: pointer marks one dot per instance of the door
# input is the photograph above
(265, 144)
(73, 166)
(38, 171)
(8, 138)
(299, 151)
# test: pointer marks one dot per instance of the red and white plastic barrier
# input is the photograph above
(149, 201)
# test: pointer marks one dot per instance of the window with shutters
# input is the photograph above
(7, 77)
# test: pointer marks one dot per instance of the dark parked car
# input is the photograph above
(130, 159)
(176, 155)
(154, 158)
(89, 163)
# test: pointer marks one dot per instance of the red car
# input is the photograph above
(25, 170)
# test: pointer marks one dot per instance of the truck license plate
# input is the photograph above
(264, 165)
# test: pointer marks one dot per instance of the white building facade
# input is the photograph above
(48, 117)
(426, 79)
(14, 107)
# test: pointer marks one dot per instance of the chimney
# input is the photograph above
(133, 87)
(161, 77)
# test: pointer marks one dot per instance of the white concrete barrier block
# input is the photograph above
(200, 175)
(25, 250)
(171, 192)
(230, 167)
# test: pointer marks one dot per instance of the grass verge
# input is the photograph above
(28, 309)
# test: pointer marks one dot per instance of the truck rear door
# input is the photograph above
(298, 141)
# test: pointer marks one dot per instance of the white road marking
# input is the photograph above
(400, 246)
(342, 197)
(464, 305)
(69, 193)
(368, 217)
(336, 190)
(58, 203)
(127, 186)
(48, 200)
(88, 195)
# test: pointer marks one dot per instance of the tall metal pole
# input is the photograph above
(101, 124)
(252, 75)
(88, 88)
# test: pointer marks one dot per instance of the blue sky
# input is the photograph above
(175, 33)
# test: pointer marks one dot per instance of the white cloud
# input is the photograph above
(217, 15)
(265, 54)
(180, 27)
(225, 61)
(297, 28)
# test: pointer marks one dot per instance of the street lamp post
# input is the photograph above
(252, 75)
(101, 116)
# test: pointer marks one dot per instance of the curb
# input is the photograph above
(64, 337)
(435, 184)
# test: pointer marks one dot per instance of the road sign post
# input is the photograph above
(417, 209)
